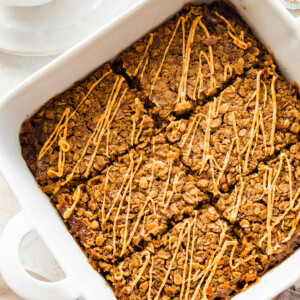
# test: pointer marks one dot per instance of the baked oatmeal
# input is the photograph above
(133, 200)
(77, 133)
(266, 205)
(248, 122)
(199, 258)
(191, 57)
(176, 167)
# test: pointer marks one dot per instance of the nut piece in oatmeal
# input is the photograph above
(191, 57)
(248, 122)
(198, 258)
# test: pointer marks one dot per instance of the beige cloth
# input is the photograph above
(293, 293)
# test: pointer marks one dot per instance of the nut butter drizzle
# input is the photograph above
(271, 177)
(203, 276)
(102, 128)
(238, 197)
(178, 244)
(133, 171)
(181, 20)
(144, 55)
(97, 134)
(76, 197)
(213, 111)
(238, 41)
(126, 189)
(181, 101)
(105, 121)
(62, 127)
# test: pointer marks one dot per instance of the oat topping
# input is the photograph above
(183, 61)
(135, 197)
(266, 204)
(228, 137)
(197, 259)
(88, 133)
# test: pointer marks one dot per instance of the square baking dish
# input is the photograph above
(271, 23)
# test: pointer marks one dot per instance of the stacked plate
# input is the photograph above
(43, 27)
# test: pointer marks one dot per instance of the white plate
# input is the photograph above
(55, 26)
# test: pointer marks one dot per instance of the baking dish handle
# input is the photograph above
(13, 272)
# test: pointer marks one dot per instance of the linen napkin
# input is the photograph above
(293, 293)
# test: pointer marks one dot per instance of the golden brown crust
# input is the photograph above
(191, 57)
(198, 257)
(247, 123)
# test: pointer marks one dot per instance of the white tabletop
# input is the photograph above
(34, 254)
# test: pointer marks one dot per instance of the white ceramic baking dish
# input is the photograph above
(271, 23)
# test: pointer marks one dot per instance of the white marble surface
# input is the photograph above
(34, 254)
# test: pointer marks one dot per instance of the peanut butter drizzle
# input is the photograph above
(174, 188)
(200, 75)
(101, 128)
(59, 127)
(76, 198)
(126, 242)
(206, 274)
(254, 122)
(119, 277)
(138, 107)
(150, 280)
(238, 201)
(181, 99)
(142, 270)
(226, 69)
(186, 260)
(133, 171)
(270, 180)
(63, 148)
(294, 225)
(250, 147)
(191, 259)
(139, 217)
(274, 120)
(116, 198)
(97, 131)
(213, 83)
(144, 68)
(212, 269)
(181, 19)
(188, 252)
(104, 196)
(190, 129)
(180, 239)
(206, 155)
(193, 135)
(257, 122)
(105, 121)
(144, 55)
(211, 263)
(170, 163)
(239, 42)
